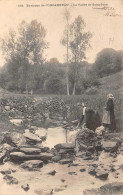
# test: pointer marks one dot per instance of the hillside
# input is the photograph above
(112, 84)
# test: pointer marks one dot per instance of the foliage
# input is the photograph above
(108, 61)
(79, 43)
(23, 49)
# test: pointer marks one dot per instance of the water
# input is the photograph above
(55, 136)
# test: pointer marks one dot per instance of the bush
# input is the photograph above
(54, 85)
(108, 61)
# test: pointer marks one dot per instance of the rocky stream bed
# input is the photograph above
(46, 161)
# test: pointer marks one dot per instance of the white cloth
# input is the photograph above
(84, 111)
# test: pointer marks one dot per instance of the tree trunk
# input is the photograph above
(26, 90)
(67, 82)
(67, 79)
(75, 77)
(31, 92)
(74, 88)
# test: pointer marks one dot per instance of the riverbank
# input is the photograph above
(37, 160)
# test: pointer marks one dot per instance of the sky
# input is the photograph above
(104, 18)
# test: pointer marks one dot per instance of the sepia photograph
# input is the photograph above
(61, 92)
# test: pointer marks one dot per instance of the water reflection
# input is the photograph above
(55, 136)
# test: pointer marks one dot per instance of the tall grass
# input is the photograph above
(97, 103)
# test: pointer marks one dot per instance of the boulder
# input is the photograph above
(20, 156)
(2, 156)
(64, 146)
(56, 158)
(10, 179)
(84, 138)
(5, 170)
(30, 150)
(25, 187)
(109, 146)
(83, 169)
(52, 172)
(101, 174)
(32, 165)
(110, 188)
(44, 149)
(66, 151)
(14, 139)
(91, 149)
(65, 161)
(114, 188)
(46, 156)
(7, 148)
(32, 138)
(92, 170)
(81, 154)
(16, 122)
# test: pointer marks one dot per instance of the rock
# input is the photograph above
(63, 180)
(100, 130)
(52, 172)
(88, 153)
(25, 187)
(92, 170)
(88, 158)
(81, 154)
(32, 165)
(46, 156)
(109, 146)
(65, 151)
(117, 137)
(16, 122)
(2, 156)
(65, 161)
(74, 164)
(32, 138)
(7, 108)
(74, 122)
(72, 173)
(10, 179)
(58, 189)
(84, 138)
(110, 188)
(44, 191)
(114, 188)
(30, 150)
(64, 146)
(20, 156)
(91, 192)
(56, 158)
(101, 174)
(42, 133)
(44, 149)
(5, 171)
(116, 175)
(82, 169)
(91, 149)
(14, 139)
(7, 148)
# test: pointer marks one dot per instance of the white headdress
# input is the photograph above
(110, 96)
